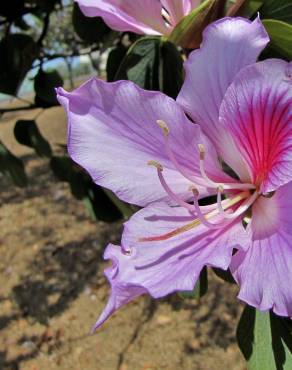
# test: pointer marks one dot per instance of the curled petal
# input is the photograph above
(264, 271)
(178, 9)
(139, 16)
(160, 267)
(228, 45)
(112, 133)
(257, 113)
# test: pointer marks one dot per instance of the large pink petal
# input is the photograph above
(264, 272)
(228, 45)
(113, 134)
(139, 16)
(166, 266)
(257, 112)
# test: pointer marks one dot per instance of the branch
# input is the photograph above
(49, 57)
(45, 29)
(70, 55)
(16, 109)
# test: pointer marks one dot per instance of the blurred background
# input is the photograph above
(55, 223)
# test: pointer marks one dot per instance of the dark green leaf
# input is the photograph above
(17, 54)
(61, 167)
(244, 8)
(90, 29)
(27, 133)
(12, 166)
(277, 9)
(125, 209)
(11, 9)
(47, 5)
(282, 341)
(66, 170)
(281, 37)
(200, 289)
(114, 61)
(265, 340)
(141, 64)
(99, 204)
(44, 85)
(171, 69)
(224, 275)
(150, 62)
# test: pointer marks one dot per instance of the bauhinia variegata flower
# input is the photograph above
(164, 155)
(150, 17)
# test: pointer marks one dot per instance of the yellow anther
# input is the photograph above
(220, 188)
(194, 190)
(155, 164)
(202, 151)
(163, 127)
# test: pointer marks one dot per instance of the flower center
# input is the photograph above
(224, 211)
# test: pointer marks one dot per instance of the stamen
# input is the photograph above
(243, 208)
(167, 189)
(155, 164)
(169, 151)
(199, 213)
(214, 184)
(226, 204)
(163, 126)
(126, 252)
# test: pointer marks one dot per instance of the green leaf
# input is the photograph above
(141, 64)
(61, 167)
(98, 202)
(277, 9)
(90, 29)
(17, 52)
(125, 209)
(47, 5)
(27, 133)
(224, 275)
(99, 205)
(44, 86)
(115, 58)
(281, 36)
(282, 341)
(12, 166)
(150, 62)
(264, 340)
(66, 170)
(243, 8)
(171, 69)
(188, 32)
(200, 289)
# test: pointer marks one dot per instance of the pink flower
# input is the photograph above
(242, 119)
(152, 17)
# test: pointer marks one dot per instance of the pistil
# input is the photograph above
(240, 210)
(167, 189)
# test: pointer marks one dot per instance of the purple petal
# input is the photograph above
(264, 272)
(228, 45)
(139, 16)
(165, 266)
(113, 134)
(257, 112)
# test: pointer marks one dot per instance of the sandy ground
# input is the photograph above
(52, 287)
